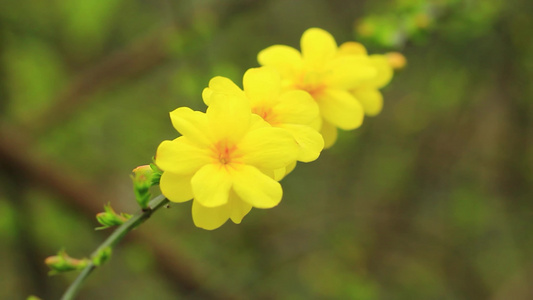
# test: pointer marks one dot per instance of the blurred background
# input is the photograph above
(431, 199)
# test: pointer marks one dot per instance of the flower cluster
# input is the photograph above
(232, 157)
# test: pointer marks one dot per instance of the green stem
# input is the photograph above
(112, 240)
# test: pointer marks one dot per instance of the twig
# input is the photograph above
(83, 197)
(112, 241)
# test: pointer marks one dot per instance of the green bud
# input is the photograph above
(63, 263)
(102, 256)
(143, 178)
(110, 218)
(156, 176)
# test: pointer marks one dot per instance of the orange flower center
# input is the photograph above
(266, 113)
(224, 152)
(313, 90)
(310, 82)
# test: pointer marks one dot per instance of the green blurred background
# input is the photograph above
(432, 199)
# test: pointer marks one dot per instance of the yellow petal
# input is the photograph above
(228, 116)
(278, 174)
(181, 156)
(351, 48)
(206, 95)
(256, 188)
(262, 85)
(257, 122)
(384, 71)
(268, 148)
(318, 47)
(211, 185)
(239, 208)
(285, 59)
(191, 124)
(221, 85)
(209, 217)
(290, 168)
(341, 109)
(310, 141)
(177, 188)
(371, 100)
(346, 72)
(297, 107)
(329, 133)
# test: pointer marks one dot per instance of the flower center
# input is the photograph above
(266, 113)
(311, 82)
(224, 152)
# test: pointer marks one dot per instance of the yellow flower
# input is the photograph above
(294, 111)
(367, 91)
(327, 76)
(225, 160)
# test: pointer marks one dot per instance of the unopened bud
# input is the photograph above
(102, 256)
(365, 28)
(63, 263)
(396, 60)
(143, 179)
(110, 218)
(422, 20)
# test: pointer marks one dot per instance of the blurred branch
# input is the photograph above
(136, 59)
(33, 269)
(81, 196)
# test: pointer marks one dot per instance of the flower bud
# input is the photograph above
(396, 60)
(102, 256)
(110, 218)
(143, 178)
(63, 263)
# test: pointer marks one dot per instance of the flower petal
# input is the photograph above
(278, 174)
(341, 109)
(310, 141)
(351, 48)
(181, 156)
(318, 46)
(329, 133)
(371, 100)
(297, 107)
(346, 72)
(268, 148)
(211, 185)
(192, 124)
(239, 208)
(257, 122)
(209, 217)
(384, 71)
(285, 59)
(177, 188)
(290, 168)
(262, 85)
(256, 188)
(228, 116)
(222, 85)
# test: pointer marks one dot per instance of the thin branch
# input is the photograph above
(83, 197)
(112, 241)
